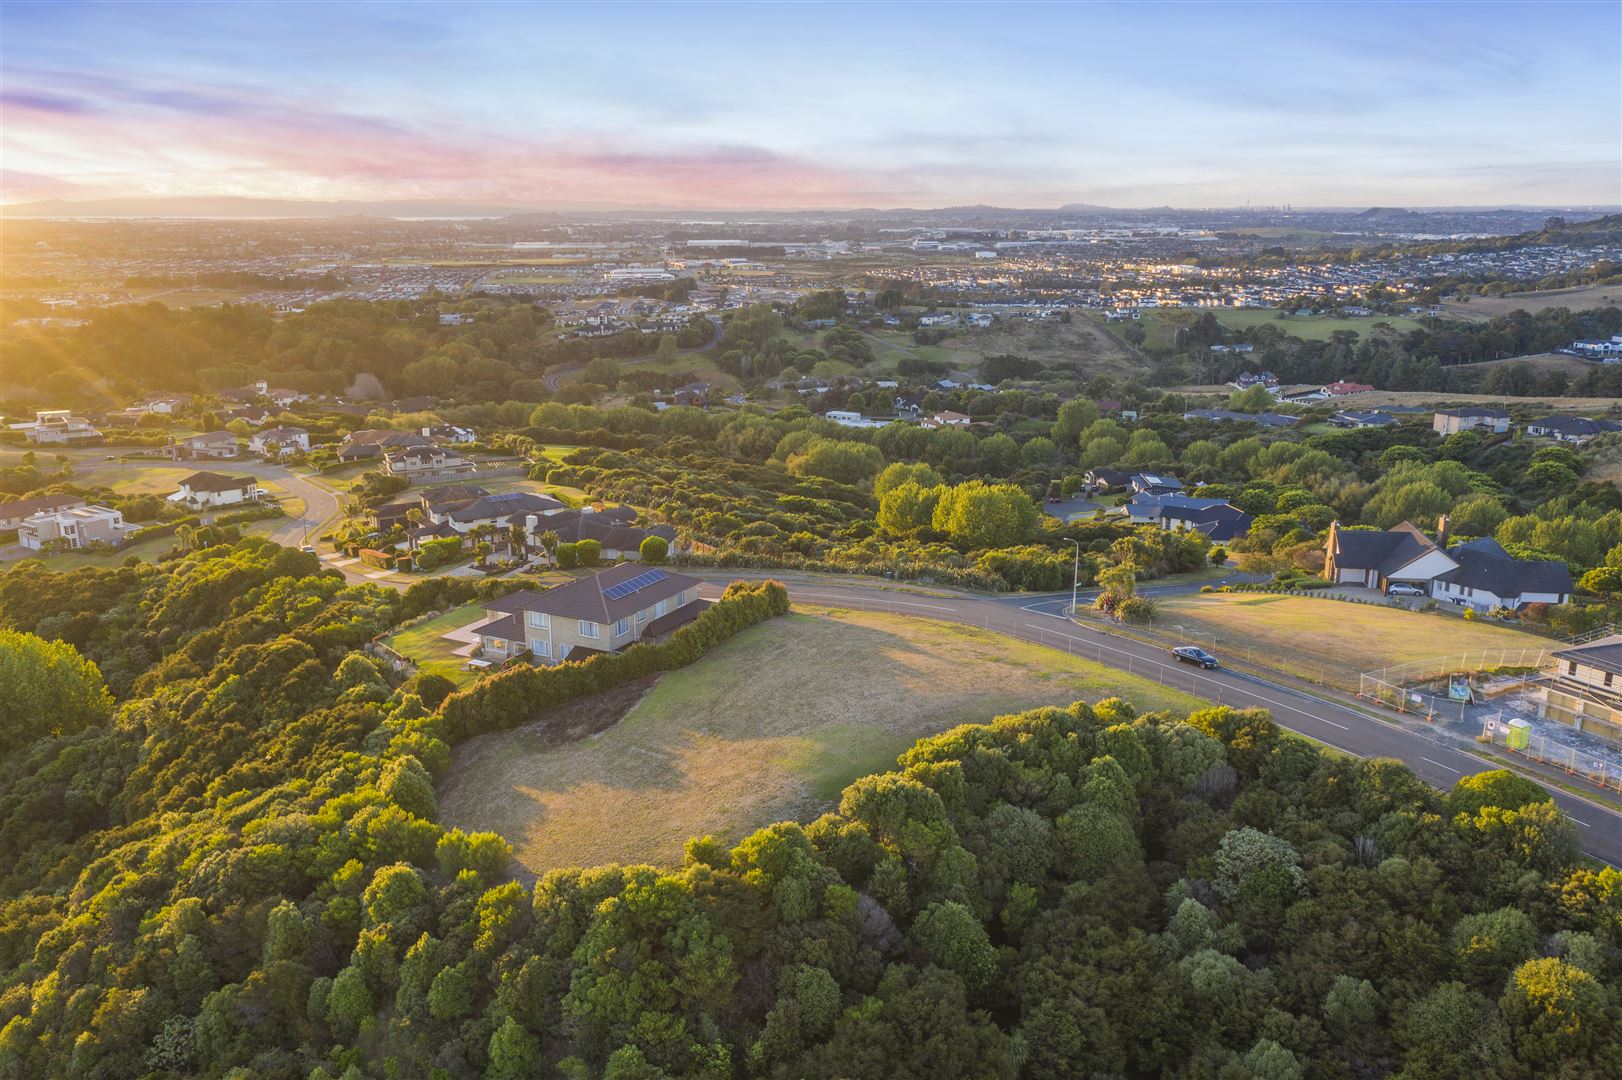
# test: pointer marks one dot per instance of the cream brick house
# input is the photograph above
(602, 613)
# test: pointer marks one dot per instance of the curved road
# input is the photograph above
(1039, 619)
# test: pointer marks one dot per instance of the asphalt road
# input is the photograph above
(1039, 618)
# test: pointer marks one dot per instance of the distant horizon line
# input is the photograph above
(482, 209)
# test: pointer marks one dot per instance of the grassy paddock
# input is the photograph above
(425, 643)
(770, 725)
(1327, 640)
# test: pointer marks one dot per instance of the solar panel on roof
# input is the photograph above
(635, 584)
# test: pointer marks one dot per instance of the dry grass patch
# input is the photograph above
(1328, 640)
(771, 725)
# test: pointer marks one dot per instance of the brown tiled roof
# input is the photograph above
(674, 620)
(510, 627)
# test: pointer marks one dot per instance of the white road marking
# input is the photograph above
(1439, 765)
(1584, 824)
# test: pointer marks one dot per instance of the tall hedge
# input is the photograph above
(513, 696)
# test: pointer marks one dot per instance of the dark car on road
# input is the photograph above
(1193, 654)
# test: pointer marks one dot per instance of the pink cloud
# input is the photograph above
(211, 143)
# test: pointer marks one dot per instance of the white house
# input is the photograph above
(1605, 351)
(73, 528)
(1479, 574)
(210, 444)
(57, 426)
(285, 440)
(1570, 429)
(206, 489)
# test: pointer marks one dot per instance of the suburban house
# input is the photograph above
(1488, 577)
(74, 528)
(1151, 484)
(285, 440)
(375, 442)
(946, 418)
(1607, 351)
(204, 489)
(15, 512)
(164, 404)
(1582, 687)
(1266, 419)
(58, 426)
(1216, 518)
(1341, 388)
(1106, 479)
(421, 464)
(506, 508)
(1245, 380)
(450, 434)
(1570, 429)
(1452, 421)
(210, 444)
(1478, 574)
(606, 612)
(1346, 418)
(611, 528)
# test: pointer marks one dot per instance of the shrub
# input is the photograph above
(568, 556)
(654, 550)
(588, 552)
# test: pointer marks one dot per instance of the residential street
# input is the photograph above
(1036, 618)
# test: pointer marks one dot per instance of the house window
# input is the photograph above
(622, 627)
(642, 616)
(1607, 682)
(588, 629)
(659, 608)
(538, 619)
(1571, 667)
(540, 647)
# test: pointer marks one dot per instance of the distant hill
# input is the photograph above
(1386, 213)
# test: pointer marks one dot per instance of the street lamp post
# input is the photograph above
(1075, 577)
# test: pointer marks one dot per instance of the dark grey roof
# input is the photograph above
(1605, 655)
(207, 481)
(1364, 419)
(1497, 573)
(1574, 425)
(589, 598)
(446, 496)
(505, 505)
(1386, 551)
(1266, 419)
(573, 526)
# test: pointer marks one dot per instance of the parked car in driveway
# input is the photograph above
(1402, 588)
(1193, 654)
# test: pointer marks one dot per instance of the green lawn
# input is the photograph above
(426, 644)
(1329, 641)
(1159, 325)
(770, 725)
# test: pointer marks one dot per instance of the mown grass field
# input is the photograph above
(1160, 325)
(771, 725)
(426, 644)
(1327, 640)
(1580, 298)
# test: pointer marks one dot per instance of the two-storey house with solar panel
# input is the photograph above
(602, 613)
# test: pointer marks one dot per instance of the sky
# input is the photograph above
(784, 105)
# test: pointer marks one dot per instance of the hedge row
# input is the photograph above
(899, 569)
(514, 696)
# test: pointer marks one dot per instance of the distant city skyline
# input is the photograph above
(817, 106)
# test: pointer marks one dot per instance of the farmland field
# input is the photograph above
(1576, 299)
(770, 725)
(1327, 639)
(1160, 324)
